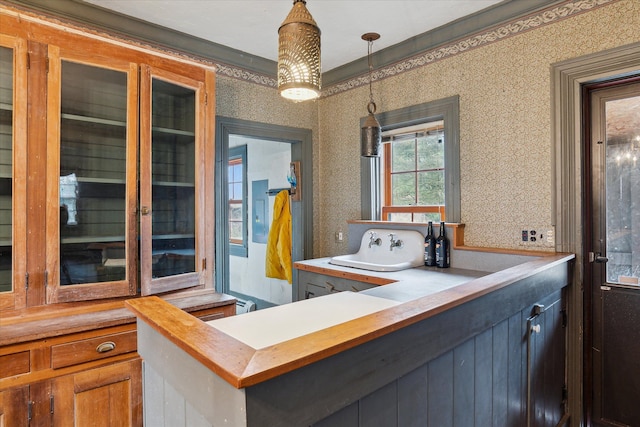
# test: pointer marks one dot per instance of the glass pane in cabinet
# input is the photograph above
(173, 176)
(6, 156)
(92, 174)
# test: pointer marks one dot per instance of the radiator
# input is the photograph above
(244, 306)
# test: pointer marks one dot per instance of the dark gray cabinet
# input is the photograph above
(312, 285)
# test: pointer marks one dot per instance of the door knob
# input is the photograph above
(597, 257)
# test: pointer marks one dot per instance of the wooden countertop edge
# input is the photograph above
(244, 366)
(195, 337)
(79, 317)
(344, 274)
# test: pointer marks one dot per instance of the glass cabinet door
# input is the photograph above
(12, 171)
(92, 184)
(169, 182)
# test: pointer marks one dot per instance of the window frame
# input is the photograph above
(237, 247)
(387, 178)
(446, 109)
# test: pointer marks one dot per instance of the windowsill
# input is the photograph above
(457, 240)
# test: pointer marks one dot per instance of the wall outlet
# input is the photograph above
(339, 236)
(540, 237)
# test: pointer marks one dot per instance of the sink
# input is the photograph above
(382, 257)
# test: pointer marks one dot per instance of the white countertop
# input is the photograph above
(264, 328)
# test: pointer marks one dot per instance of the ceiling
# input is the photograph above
(251, 26)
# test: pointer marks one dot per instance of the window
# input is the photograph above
(413, 174)
(417, 179)
(237, 179)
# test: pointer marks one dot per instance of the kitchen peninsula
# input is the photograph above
(356, 356)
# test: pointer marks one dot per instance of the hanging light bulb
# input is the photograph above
(370, 133)
(299, 55)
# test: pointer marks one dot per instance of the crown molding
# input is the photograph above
(505, 19)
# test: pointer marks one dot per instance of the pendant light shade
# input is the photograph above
(370, 133)
(299, 55)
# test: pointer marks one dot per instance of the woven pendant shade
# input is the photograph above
(299, 55)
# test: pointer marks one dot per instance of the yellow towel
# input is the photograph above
(278, 262)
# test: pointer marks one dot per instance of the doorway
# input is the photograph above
(612, 248)
(252, 164)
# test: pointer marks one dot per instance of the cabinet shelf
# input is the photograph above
(173, 131)
(106, 181)
(173, 184)
(172, 236)
(5, 107)
(91, 239)
(95, 120)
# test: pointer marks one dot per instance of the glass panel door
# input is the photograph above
(613, 230)
(6, 168)
(173, 179)
(13, 171)
(92, 191)
(93, 165)
(172, 231)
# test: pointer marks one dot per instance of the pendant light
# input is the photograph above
(299, 55)
(370, 133)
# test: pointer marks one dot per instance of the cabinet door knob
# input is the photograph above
(105, 347)
(144, 210)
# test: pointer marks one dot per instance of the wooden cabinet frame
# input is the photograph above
(17, 297)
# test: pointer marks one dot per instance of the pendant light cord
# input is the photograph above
(370, 37)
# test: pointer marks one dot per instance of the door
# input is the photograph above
(258, 170)
(612, 239)
(101, 397)
(251, 159)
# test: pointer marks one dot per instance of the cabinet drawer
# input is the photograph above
(86, 350)
(14, 364)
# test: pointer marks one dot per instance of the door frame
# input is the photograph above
(301, 212)
(568, 205)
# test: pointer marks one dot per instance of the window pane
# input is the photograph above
(6, 156)
(235, 230)
(426, 217)
(235, 211)
(431, 188)
(403, 155)
(237, 172)
(173, 173)
(93, 163)
(400, 217)
(403, 189)
(237, 191)
(431, 152)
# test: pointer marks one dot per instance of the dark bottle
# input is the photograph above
(430, 247)
(442, 248)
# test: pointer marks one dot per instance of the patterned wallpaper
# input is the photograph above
(503, 79)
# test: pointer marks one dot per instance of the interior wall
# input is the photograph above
(505, 125)
(240, 99)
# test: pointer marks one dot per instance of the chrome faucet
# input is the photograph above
(394, 243)
(373, 240)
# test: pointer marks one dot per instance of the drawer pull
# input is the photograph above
(105, 347)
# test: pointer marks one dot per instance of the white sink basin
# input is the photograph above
(382, 257)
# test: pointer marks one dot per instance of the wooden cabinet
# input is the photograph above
(14, 407)
(84, 369)
(311, 285)
(106, 192)
(108, 396)
(107, 189)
